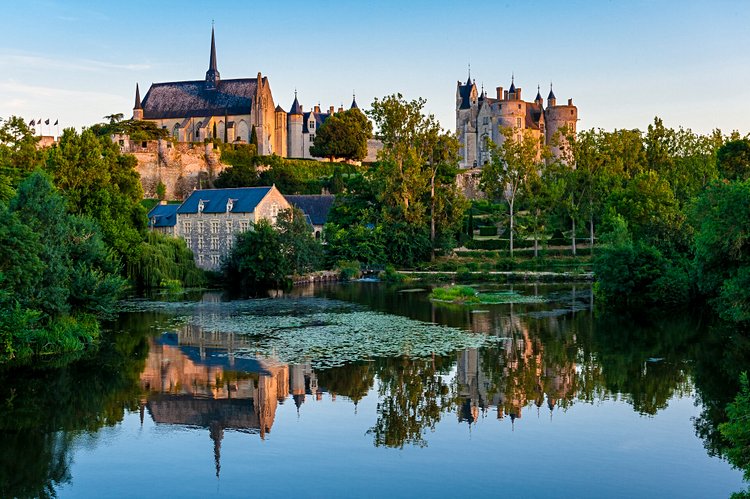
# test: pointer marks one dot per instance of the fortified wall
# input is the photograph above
(181, 167)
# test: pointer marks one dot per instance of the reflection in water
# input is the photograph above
(539, 356)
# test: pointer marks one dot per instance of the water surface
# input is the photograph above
(369, 390)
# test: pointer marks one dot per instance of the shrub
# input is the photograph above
(349, 270)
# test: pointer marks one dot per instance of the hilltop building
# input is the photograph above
(479, 118)
(229, 110)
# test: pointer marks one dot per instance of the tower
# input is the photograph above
(137, 107)
(294, 130)
(212, 75)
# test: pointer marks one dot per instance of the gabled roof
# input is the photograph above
(191, 98)
(315, 207)
(163, 215)
(318, 117)
(280, 109)
(244, 200)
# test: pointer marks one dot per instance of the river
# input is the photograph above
(368, 390)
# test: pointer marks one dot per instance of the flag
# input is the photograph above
(33, 123)
(56, 122)
(46, 122)
(39, 121)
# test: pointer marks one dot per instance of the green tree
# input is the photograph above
(737, 431)
(514, 163)
(722, 249)
(103, 184)
(734, 159)
(254, 137)
(343, 135)
(19, 154)
(298, 245)
(256, 262)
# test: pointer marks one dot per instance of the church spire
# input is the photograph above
(354, 101)
(137, 107)
(212, 75)
(137, 98)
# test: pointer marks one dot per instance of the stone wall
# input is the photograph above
(181, 167)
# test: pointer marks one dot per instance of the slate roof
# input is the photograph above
(533, 114)
(316, 207)
(465, 92)
(163, 215)
(245, 199)
(296, 108)
(318, 117)
(192, 99)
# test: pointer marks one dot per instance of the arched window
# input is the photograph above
(176, 131)
(243, 131)
(317, 235)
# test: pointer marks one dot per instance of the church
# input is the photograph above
(229, 110)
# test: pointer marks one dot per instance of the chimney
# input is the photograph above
(341, 109)
(316, 109)
(499, 91)
(570, 102)
(330, 110)
(505, 95)
(518, 93)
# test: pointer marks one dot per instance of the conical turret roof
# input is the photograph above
(296, 108)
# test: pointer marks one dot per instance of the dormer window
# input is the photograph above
(230, 204)
(201, 205)
(311, 124)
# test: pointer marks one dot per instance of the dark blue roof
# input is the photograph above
(315, 207)
(465, 92)
(245, 199)
(163, 215)
(318, 117)
(296, 108)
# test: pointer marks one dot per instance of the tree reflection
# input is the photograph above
(412, 397)
(43, 410)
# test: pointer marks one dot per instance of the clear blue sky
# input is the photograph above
(622, 62)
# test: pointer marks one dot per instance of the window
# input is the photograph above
(274, 210)
(200, 259)
(199, 226)
(486, 120)
(214, 226)
(519, 106)
(122, 142)
(230, 242)
(214, 243)
(312, 138)
(518, 122)
(200, 243)
(186, 227)
(215, 259)
(201, 205)
(311, 125)
(144, 144)
(244, 226)
(229, 226)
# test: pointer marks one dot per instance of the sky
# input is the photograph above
(622, 62)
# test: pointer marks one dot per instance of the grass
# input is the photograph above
(466, 295)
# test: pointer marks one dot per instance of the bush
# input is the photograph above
(390, 275)
(463, 274)
(488, 230)
(349, 270)
(462, 294)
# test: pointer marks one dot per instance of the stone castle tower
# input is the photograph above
(479, 118)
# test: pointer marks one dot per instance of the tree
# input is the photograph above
(298, 245)
(734, 159)
(19, 154)
(103, 184)
(415, 173)
(257, 261)
(722, 220)
(737, 431)
(343, 135)
(514, 162)
(254, 137)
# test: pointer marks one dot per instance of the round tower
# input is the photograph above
(294, 130)
(560, 121)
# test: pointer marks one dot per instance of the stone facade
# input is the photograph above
(480, 118)
(209, 220)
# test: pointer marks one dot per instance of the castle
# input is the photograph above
(229, 110)
(479, 118)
